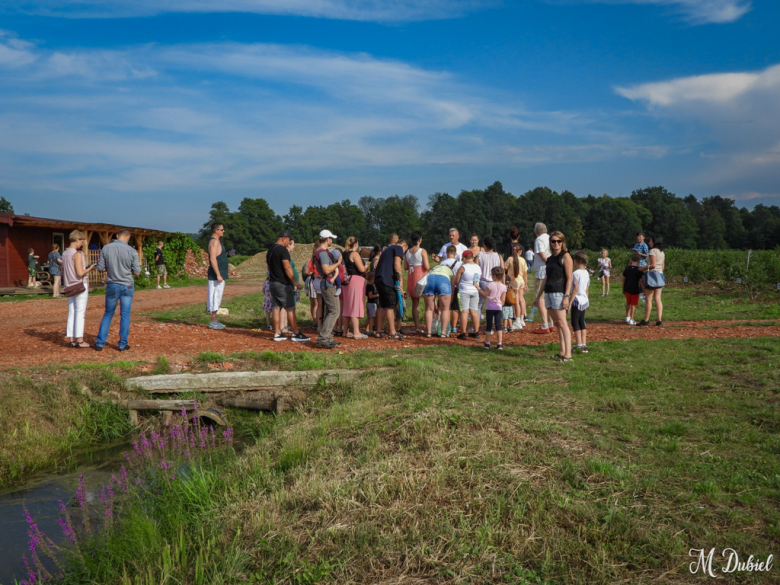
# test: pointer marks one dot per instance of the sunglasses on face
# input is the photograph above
(556, 241)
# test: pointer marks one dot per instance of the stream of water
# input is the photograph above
(41, 496)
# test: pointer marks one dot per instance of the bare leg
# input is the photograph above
(475, 320)
(429, 305)
(416, 312)
(277, 320)
(659, 306)
(648, 304)
(355, 327)
(56, 292)
(564, 335)
(543, 313)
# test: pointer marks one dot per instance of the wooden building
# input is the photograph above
(18, 233)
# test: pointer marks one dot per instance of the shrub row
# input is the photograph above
(762, 271)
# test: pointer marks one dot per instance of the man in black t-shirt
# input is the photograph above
(388, 279)
(281, 280)
(159, 265)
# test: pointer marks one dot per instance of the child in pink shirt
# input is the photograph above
(496, 295)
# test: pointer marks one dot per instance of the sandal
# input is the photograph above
(80, 345)
(428, 335)
(564, 360)
(397, 337)
(557, 357)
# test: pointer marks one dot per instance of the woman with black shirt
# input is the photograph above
(557, 289)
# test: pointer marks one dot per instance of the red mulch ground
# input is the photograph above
(31, 332)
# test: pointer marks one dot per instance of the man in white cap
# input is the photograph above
(327, 267)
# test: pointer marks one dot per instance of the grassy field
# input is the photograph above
(463, 467)
(694, 303)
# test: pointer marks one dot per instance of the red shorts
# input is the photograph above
(631, 299)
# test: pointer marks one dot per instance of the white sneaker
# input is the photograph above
(158, 286)
(632, 322)
(628, 320)
(166, 286)
(642, 297)
(217, 325)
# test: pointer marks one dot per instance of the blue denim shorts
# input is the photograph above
(553, 300)
(437, 284)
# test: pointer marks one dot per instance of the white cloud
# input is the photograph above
(734, 117)
(229, 117)
(14, 52)
(697, 11)
(366, 10)
(751, 195)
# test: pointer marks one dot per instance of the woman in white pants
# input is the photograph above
(75, 270)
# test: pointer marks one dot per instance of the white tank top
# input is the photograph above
(414, 259)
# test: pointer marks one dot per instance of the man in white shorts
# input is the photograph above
(454, 241)
(218, 273)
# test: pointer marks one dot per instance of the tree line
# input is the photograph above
(588, 222)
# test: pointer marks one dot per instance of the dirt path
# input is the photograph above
(31, 332)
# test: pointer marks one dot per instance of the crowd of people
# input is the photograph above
(460, 287)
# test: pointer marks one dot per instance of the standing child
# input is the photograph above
(632, 286)
(268, 302)
(31, 262)
(496, 297)
(580, 282)
(508, 311)
(605, 265)
(372, 294)
(467, 281)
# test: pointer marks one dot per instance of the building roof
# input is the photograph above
(12, 219)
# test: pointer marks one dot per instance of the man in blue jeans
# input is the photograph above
(120, 262)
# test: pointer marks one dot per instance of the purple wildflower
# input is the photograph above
(67, 529)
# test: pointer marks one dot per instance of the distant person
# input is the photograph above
(529, 259)
(517, 275)
(541, 255)
(159, 265)
(654, 280)
(487, 260)
(387, 281)
(120, 262)
(373, 258)
(354, 290)
(475, 248)
(556, 287)
(297, 278)
(580, 300)
(327, 267)
(453, 264)
(467, 282)
(55, 269)
(454, 241)
(495, 293)
(416, 262)
(605, 268)
(312, 286)
(217, 273)
(75, 271)
(372, 295)
(283, 287)
(642, 249)
(439, 285)
(32, 260)
(632, 286)
(268, 302)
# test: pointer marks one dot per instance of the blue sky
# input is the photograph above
(146, 111)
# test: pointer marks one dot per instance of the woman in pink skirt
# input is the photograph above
(353, 293)
(416, 262)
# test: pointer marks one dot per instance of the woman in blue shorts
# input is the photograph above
(439, 285)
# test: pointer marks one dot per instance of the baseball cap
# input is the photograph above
(466, 254)
(327, 234)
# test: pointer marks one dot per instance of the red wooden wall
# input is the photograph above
(13, 272)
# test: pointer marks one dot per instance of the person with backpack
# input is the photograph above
(283, 286)
(326, 267)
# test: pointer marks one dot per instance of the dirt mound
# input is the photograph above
(195, 266)
(256, 265)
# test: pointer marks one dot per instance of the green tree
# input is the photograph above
(611, 223)
(219, 214)
(555, 211)
(254, 226)
(438, 218)
(671, 219)
(5, 206)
